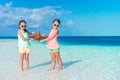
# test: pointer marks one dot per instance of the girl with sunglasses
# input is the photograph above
(53, 45)
(24, 44)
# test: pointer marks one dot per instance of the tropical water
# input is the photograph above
(89, 40)
(84, 58)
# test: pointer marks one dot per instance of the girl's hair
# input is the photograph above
(56, 20)
(21, 22)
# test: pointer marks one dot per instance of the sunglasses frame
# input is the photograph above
(55, 25)
(23, 26)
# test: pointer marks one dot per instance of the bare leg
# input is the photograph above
(59, 60)
(21, 61)
(27, 60)
(53, 60)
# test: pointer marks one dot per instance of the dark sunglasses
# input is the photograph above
(56, 25)
(23, 26)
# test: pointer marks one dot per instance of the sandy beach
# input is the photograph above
(81, 62)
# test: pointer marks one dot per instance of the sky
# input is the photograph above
(78, 17)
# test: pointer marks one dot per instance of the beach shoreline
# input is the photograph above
(80, 62)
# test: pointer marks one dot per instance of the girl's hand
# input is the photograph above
(31, 39)
(44, 35)
(33, 33)
(42, 40)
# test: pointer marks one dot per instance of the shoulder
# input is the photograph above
(19, 31)
(55, 30)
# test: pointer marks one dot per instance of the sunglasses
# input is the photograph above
(56, 25)
(23, 26)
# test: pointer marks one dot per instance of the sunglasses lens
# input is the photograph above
(23, 26)
(56, 25)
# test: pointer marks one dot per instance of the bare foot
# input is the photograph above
(21, 70)
(61, 68)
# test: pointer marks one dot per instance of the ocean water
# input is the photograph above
(84, 58)
(91, 40)
(85, 40)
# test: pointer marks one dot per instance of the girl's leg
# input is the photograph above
(59, 60)
(21, 61)
(27, 60)
(53, 60)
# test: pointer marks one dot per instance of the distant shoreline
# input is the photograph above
(78, 40)
(15, 37)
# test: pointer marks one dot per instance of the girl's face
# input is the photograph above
(56, 25)
(22, 25)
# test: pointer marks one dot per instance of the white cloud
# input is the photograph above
(69, 23)
(10, 16)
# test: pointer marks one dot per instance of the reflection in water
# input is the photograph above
(25, 75)
(48, 75)
(56, 76)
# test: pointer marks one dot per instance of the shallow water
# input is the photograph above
(81, 62)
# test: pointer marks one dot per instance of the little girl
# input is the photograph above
(24, 44)
(53, 45)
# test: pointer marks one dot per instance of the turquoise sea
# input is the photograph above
(89, 40)
(84, 58)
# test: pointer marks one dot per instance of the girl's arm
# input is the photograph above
(44, 35)
(22, 37)
(52, 36)
(31, 34)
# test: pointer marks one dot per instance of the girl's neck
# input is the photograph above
(21, 30)
(24, 30)
(55, 29)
